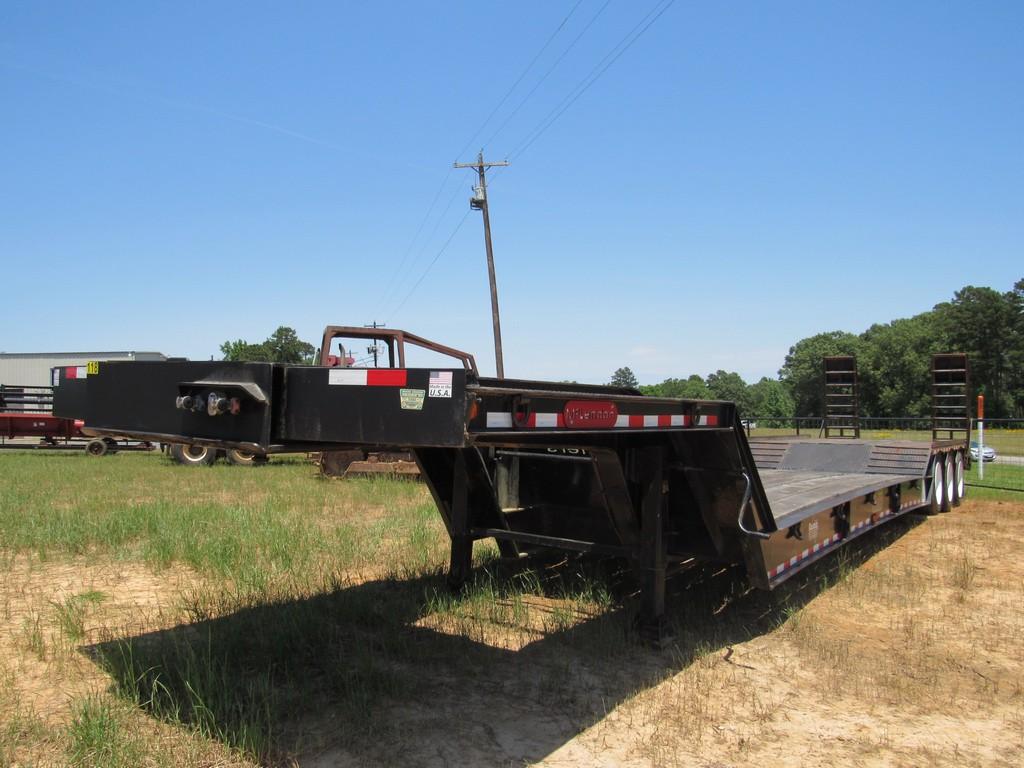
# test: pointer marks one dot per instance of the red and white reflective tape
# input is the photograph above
(367, 377)
(75, 372)
(497, 420)
(796, 559)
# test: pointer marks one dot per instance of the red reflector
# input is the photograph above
(386, 377)
(590, 414)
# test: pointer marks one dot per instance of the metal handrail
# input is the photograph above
(747, 493)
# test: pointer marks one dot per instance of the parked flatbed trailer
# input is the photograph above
(42, 425)
(660, 482)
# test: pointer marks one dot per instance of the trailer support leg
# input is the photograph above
(462, 542)
(652, 548)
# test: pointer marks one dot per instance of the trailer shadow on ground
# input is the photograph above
(357, 675)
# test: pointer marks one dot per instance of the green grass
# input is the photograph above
(246, 525)
(98, 737)
(997, 476)
(71, 612)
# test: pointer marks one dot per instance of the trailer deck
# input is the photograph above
(533, 465)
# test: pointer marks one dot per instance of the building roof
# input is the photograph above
(76, 354)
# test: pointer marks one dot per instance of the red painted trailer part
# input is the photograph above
(41, 425)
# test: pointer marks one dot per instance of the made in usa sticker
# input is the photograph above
(440, 384)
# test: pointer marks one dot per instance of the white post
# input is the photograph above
(981, 449)
(981, 437)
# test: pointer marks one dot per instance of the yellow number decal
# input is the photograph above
(92, 367)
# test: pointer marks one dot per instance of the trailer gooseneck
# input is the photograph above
(660, 482)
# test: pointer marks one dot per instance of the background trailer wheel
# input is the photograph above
(193, 455)
(244, 458)
(96, 447)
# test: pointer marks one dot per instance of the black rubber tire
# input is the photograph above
(96, 447)
(244, 458)
(193, 455)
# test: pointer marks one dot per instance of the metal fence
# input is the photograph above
(1005, 437)
(26, 399)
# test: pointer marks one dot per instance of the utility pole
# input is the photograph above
(478, 202)
(374, 348)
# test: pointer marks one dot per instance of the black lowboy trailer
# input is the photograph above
(659, 482)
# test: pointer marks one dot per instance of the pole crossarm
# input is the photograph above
(480, 164)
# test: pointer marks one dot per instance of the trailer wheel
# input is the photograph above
(245, 458)
(938, 485)
(193, 455)
(959, 485)
(947, 474)
(96, 447)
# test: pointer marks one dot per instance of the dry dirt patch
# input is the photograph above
(48, 608)
(914, 658)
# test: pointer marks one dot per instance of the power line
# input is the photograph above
(405, 256)
(592, 77)
(412, 243)
(434, 260)
(423, 248)
(596, 72)
(551, 69)
(521, 76)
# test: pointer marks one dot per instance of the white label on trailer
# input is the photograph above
(55, 377)
(812, 530)
(347, 376)
(440, 384)
(499, 420)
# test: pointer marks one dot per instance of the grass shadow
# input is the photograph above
(355, 671)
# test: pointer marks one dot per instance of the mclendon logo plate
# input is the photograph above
(590, 414)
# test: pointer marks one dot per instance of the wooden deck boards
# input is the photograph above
(795, 494)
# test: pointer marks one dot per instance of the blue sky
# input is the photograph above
(742, 176)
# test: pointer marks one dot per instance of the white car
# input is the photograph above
(988, 452)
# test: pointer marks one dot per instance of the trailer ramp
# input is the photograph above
(824, 492)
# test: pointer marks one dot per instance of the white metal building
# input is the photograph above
(32, 369)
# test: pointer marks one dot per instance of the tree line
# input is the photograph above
(282, 346)
(893, 363)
